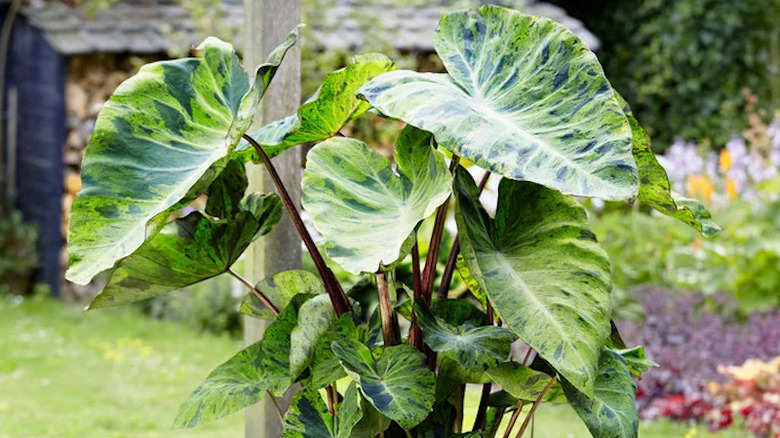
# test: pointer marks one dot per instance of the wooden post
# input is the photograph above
(266, 23)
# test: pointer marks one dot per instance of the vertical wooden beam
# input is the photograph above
(266, 23)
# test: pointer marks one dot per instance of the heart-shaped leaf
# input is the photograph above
(246, 377)
(612, 412)
(654, 187)
(364, 210)
(542, 270)
(308, 417)
(398, 383)
(315, 318)
(326, 112)
(161, 138)
(188, 250)
(280, 288)
(476, 348)
(524, 98)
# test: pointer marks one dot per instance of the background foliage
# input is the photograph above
(682, 63)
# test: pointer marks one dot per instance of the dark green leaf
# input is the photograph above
(476, 348)
(315, 318)
(363, 209)
(187, 251)
(542, 270)
(225, 193)
(452, 311)
(524, 98)
(612, 412)
(162, 137)
(398, 383)
(308, 417)
(524, 383)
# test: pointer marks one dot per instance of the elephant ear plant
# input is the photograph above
(522, 98)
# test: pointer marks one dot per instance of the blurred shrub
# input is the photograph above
(210, 305)
(682, 63)
(690, 335)
(18, 254)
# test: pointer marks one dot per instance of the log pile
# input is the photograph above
(91, 81)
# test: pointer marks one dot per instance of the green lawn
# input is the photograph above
(113, 373)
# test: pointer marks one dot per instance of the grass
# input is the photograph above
(115, 373)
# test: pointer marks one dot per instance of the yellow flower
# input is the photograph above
(700, 186)
(725, 160)
(692, 433)
(731, 188)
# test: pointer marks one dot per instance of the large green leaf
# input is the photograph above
(452, 311)
(654, 187)
(542, 270)
(187, 251)
(280, 288)
(161, 138)
(227, 190)
(363, 209)
(612, 412)
(524, 383)
(476, 348)
(234, 385)
(326, 112)
(308, 417)
(246, 377)
(398, 383)
(524, 98)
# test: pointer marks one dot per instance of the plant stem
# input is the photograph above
(276, 405)
(527, 355)
(255, 291)
(415, 334)
(513, 419)
(337, 295)
(331, 399)
(536, 404)
(449, 268)
(429, 272)
(385, 310)
(481, 420)
(460, 395)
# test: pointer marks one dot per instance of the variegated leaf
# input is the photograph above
(612, 412)
(542, 270)
(398, 383)
(162, 137)
(524, 98)
(188, 250)
(326, 112)
(654, 187)
(364, 210)
(246, 377)
(476, 348)
(280, 288)
(524, 383)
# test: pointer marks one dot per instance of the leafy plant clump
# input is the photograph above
(523, 98)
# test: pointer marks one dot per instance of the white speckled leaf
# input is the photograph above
(308, 417)
(364, 210)
(398, 383)
(163, 136)
(542, 270)
(524, 98)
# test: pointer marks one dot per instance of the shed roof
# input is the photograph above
(153, 26)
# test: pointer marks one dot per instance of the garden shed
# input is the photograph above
(64, 63)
